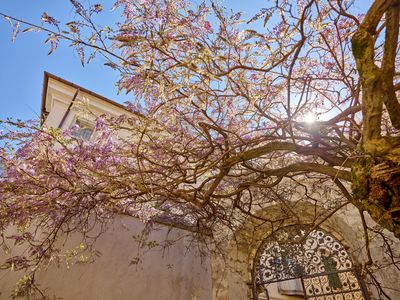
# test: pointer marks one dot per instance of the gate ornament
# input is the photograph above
(288, 254)
(316, 257)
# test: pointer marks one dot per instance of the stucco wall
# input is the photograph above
(176, 273)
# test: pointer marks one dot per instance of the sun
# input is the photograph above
(309, 118)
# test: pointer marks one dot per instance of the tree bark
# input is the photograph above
(376, 174)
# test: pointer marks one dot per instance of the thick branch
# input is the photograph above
(388, 64)
(309, 167)
(285, 146)
(363, 47)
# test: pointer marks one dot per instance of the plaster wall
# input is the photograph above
(177, 272)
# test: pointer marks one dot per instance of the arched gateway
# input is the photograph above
(313, 262)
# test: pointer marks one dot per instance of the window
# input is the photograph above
(291, 287)
(84, 130)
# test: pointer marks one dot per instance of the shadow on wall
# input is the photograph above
(119, 273)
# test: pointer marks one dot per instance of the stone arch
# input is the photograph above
(233, 281)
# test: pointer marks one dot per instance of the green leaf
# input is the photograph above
(266, 19)
(9, 21)
(16, 30)
(29, 29)
(92, 55)
(81, 55)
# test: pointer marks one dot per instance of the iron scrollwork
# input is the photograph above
(290, 254)
(322, 262)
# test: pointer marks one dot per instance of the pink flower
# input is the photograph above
(207, 27)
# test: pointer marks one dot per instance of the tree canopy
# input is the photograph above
(297, 104)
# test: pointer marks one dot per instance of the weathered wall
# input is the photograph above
(175, 273)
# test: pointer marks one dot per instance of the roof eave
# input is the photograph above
(48, 75)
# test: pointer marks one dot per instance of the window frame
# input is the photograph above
(84, 127)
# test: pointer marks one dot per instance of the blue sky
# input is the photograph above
(23, 63)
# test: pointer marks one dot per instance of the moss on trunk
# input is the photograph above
(376, 189)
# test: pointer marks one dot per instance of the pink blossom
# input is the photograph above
(208, 27)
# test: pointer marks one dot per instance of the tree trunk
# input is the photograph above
(376, 189)
(376, 175)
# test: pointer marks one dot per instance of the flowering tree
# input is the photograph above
(297, 104)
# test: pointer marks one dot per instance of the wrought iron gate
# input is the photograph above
(316, 257)
(339, 285)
